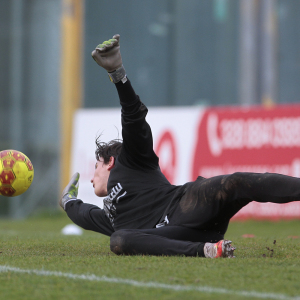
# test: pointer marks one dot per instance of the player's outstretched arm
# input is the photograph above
(70, 192)
(137, 149)
(108, 56)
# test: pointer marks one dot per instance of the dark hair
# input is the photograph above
(106, 150)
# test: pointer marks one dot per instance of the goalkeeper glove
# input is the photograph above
(70, 192)
(108, 56)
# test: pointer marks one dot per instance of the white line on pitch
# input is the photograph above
(157, 285)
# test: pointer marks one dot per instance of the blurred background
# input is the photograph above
(176, 52)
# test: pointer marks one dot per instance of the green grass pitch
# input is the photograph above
(38, 262)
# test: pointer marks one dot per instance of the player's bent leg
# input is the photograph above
(137, 242)
(149, 242)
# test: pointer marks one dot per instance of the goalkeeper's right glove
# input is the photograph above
(108, 56)
(70, 192)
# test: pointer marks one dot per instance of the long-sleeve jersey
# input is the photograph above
(139, 195)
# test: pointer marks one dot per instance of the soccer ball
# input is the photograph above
(16, 173)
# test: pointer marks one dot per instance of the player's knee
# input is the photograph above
(119, 241)
(233, 180)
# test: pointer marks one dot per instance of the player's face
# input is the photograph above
(100, 178)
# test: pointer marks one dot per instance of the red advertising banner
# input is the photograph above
(252, 139)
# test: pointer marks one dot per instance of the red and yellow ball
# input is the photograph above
(16, 173)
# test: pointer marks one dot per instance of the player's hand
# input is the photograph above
(108, 55)
(70, 191)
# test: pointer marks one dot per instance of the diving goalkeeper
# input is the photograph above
(143, 213)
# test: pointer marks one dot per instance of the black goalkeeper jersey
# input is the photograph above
(138, 192)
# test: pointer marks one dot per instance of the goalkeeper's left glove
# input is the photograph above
(108, 56)
(70, 192)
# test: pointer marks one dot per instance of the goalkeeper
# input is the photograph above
(143, 213)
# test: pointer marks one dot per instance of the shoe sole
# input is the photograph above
(227, 249)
